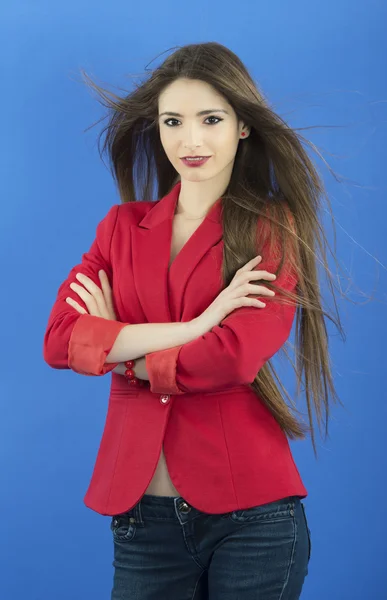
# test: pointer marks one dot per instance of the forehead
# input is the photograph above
(193, 93)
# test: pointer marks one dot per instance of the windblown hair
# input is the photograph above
(273, 183)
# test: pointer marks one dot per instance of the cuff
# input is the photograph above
(90, 342)
(161, 368)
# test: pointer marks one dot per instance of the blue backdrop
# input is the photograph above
(319, 64)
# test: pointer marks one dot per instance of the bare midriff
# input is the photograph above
(161, 484)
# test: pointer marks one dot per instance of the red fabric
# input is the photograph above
(230, 354)
(224, 449)
(91, 340)
(81, 341)
(161, 368)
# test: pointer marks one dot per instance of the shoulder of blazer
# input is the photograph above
(135, 211)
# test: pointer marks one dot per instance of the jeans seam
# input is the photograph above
(308, 532)
(196, 561)
(196, 584)
(291, 558)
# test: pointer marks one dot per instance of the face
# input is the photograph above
(215, 134)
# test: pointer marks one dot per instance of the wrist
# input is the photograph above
(195, 328)
(120, 369)
(140, 369)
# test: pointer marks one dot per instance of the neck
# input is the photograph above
(197, 197)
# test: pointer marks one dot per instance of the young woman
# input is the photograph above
(185, 300)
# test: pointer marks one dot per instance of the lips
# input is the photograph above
(195, 160)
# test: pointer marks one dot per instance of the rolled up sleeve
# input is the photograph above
(81, 342)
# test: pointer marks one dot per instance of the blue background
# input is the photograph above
(319, 64)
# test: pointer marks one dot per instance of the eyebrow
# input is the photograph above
(199, 114)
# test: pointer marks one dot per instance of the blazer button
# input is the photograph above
(165, 398)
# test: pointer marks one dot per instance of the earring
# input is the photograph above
(243, 134)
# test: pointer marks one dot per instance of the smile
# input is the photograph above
(195, 161)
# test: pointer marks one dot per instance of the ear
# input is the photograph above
(245, 129)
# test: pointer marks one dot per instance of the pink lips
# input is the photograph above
(195, 163)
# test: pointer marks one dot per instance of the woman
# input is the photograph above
(186, 300)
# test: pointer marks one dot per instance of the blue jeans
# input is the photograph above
(164, 549)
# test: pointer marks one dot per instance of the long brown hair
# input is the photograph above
(273, 183)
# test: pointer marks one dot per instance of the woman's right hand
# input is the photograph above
(235, 295)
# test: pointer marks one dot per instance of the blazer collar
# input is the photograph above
(161, 289)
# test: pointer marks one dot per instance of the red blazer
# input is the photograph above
(224, 449)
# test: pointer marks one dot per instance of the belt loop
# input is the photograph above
(138, 514)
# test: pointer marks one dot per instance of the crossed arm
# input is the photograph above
(174, 357)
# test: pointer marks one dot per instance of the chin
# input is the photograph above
(198, 179)
(195, 174)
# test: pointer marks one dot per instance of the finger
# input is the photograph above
(88, 299)
(107, 292)
(261, 275)
(96, 295)
(249, 265)
(88, 284)
(77, 306)
(261, 290)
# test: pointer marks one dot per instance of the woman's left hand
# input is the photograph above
(99, 301)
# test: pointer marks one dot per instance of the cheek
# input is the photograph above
(226, 149)
(165, 139)
(170, 147)
(226, 141)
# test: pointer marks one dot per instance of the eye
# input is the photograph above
(210, 117)
(168, 121)
(213, 117)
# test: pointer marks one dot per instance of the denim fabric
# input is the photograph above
(164, 549)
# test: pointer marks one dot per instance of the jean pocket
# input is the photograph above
(123, 527)
(273, 511)
(308, 530)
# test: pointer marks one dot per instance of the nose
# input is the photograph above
(191, 146)
(192, 139)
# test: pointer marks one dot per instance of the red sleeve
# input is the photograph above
(77, 341)
(231, 353)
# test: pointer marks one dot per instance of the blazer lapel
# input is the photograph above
(161, 290)
(196, 248)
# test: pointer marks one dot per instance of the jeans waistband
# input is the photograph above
(171, 508)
